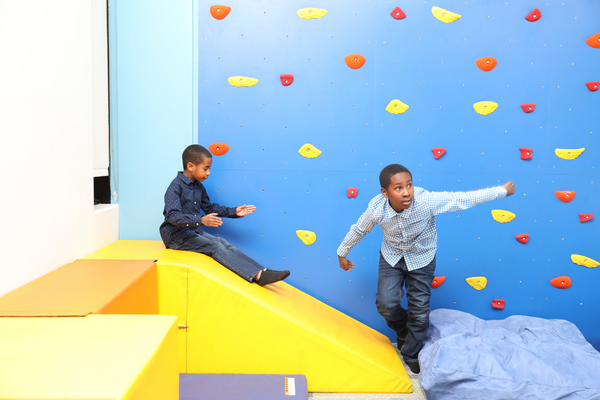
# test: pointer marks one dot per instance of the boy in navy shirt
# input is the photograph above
(182, 229)
(407, 258)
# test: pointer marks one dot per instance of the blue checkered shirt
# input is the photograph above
(411, 233)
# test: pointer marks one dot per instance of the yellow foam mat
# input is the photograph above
(121, 357)
(228, 319)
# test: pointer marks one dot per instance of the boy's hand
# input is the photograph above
(346, 264)
(211, 220)
(244, 210)
(510, 188)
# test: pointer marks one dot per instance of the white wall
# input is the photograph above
(46, 127)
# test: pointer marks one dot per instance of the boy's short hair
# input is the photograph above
(195, 154)
(385, 177)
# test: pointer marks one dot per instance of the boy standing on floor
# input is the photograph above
(185, 200)
(407, 257)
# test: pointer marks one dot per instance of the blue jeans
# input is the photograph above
(222, 251)
(409, 324)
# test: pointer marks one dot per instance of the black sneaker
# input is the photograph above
(399, 341)
(414, 367)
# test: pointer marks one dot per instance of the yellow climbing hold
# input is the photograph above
(478, 282)
(503, 216)
(485, 107)
(444, 15)
(307, 237)
(396, 107)
(569, 154)
(309, 13)
(585, 261)
(242, 81)
(309, 151)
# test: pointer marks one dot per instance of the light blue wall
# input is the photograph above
(152, 105)
(425, 63)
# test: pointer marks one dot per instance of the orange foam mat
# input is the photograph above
(119, 357)
(88, 286)
(224, 318)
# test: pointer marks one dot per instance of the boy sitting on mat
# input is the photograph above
(182, 229)
(407, 257)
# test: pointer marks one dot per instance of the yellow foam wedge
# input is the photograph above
(585, 261)
(242, 81)
(307, 237)
(309, 151)
(226, 317)
(396, 107)
(121, 357)
(478, 282)
(503, 216)
(310, 13)
(569, 154)
(444, 15)
(485, 107)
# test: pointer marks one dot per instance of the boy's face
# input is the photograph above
(199, 172)
(400, 192)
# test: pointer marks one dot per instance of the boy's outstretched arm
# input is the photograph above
(365, 224)
(443, 202)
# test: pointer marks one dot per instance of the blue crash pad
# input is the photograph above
(519, 357)
(242, 387)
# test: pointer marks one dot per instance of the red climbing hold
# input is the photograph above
(486, 63)
(534, 15)
(585, 217)
(218, 148)
(528, 107)
(438, 152)
(562, 282)
(594, 41)
(219, 12)
(397, 13)
(286, 79)
(352, 192)
(355, 61)
(498, 303)
(593, 86)
(526, 153)
(523, 238)
(565, 195)
(437, 281)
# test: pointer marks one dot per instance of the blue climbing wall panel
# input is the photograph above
(430, 66)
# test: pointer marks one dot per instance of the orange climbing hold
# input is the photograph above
(523, 238)
(562, 282)
(355, 61)
(526, 153)
(438, 152)
(593, 86)
(437, 281)
(534, 15)
(529, 107)
(565, 195)
(594, 41)
(498, 303)
(219, 12)
(352, 192)
(286, 79)
(486, 63)
(218, 148)
(397, 13)
(585, 217)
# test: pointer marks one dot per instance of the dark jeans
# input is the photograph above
(412, 323)
(222, 251)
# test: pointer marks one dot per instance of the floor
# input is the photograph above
(417, 393)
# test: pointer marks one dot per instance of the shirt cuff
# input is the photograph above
(502, 192)
(342, 252)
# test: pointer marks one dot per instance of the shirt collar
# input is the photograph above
(390, 212)
(185, 179)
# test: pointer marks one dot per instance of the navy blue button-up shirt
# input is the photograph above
(184, 200)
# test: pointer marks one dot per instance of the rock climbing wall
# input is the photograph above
(306, 106)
